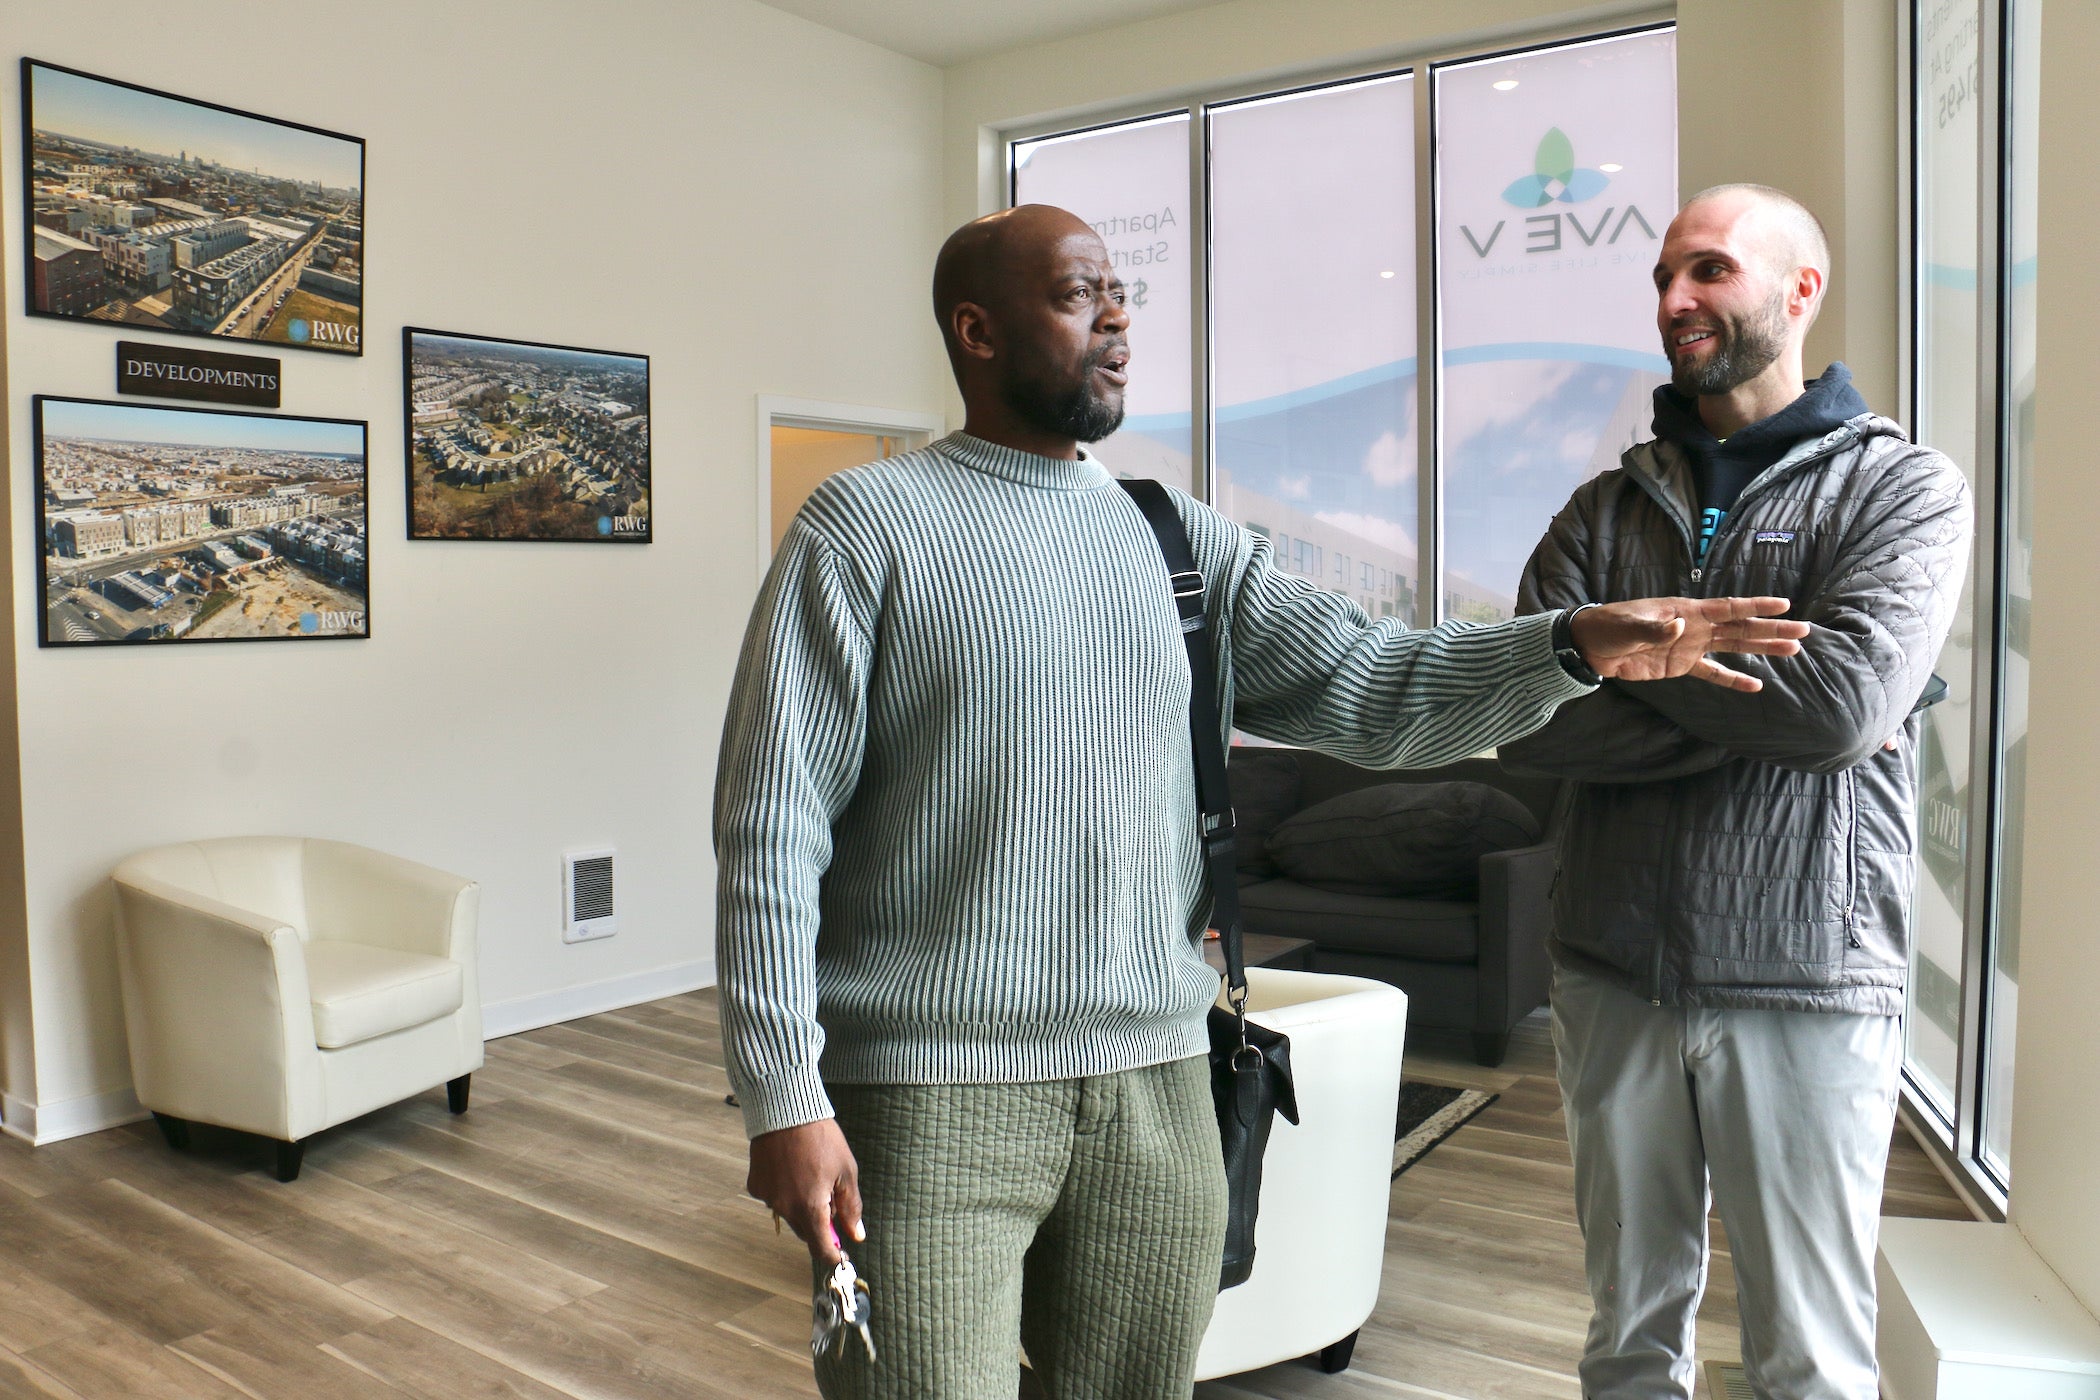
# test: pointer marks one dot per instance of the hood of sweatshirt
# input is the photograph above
(1826, 403)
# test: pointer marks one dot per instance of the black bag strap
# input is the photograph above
(1213, 796)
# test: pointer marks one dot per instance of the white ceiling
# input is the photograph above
(942, 32)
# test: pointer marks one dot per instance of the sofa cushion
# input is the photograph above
(1417, 839)
(1426, 930)
(360, 991)
(1264, 785)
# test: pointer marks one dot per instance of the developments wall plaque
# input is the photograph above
(174, 372)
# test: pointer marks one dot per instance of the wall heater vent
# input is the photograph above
(587, 896)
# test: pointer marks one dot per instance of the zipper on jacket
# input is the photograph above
(1852, 861)
(1655, 962)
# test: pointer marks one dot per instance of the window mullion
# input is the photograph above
(1203, 457)
(1978, 914)
(1429, 379)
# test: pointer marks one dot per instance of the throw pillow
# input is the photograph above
(1264, 786)
(1416, 840)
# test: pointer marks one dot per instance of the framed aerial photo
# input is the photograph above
(517, 440)
(153, 211)
(197, 525)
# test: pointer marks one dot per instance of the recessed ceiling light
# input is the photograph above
(1505, 85)
(1611, 168)
(1386, 273)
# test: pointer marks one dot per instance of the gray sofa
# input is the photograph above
(1474, 963)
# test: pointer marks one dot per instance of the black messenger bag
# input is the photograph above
(1250, 1066)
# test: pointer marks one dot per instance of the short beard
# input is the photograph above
(1747, 349)
(1078, 413)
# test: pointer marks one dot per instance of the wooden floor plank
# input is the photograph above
(419, 1362)
(142, 1294)
(579, 1247)
(34, 1310)
(261, 1362)
(254, 1285)
(20, 1377)
(580, 1348)
(114, 1361)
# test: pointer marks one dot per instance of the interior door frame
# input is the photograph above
(778, 411)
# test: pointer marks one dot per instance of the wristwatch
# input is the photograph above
(1567, 653)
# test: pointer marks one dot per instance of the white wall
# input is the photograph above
(2056, 1094)
(750, 200)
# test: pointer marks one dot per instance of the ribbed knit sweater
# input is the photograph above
(955, 820)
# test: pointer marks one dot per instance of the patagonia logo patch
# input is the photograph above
(1775, 537)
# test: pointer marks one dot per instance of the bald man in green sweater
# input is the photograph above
(961, 892)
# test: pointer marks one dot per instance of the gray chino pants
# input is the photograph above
(1787, 1114)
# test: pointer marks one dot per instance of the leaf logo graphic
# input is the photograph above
(1556, 176)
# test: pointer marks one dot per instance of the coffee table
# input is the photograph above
(1264, 950)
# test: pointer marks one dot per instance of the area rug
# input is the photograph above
(1429, 1113)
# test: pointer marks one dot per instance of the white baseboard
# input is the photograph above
(568, 1003)
(39, 1123)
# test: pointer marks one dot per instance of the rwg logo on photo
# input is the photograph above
(1555, 176)
(623, 524)
(301, 331)
(331, 620)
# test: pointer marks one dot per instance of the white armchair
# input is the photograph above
(281, 985)
(1319, 1239)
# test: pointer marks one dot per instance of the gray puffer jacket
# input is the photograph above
(1755, 850)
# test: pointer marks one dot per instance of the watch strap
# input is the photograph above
(1567, 653)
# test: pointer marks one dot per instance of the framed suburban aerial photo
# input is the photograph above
(149, 210)
(516, 440)
(195, 525)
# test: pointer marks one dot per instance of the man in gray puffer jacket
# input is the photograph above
(1735, 880)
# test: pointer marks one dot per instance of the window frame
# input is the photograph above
(1957, 1143)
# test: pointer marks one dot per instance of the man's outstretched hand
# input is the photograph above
(808, 1176)
(1651, 639)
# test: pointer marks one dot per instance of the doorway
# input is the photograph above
(801, 443)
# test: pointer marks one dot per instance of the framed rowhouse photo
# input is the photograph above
(194, 525)
(150, 211)
(520, 440)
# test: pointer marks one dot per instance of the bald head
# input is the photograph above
(1031, 310)
(983, 260)
(1738, 281)
(1787, 234)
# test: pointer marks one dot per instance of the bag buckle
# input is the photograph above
(1186, 583)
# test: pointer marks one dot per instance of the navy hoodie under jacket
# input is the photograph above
(1722, 467)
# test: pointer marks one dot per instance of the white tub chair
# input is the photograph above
(280, 985)
(1319, 1240)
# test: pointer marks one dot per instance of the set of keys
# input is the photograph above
(842, 1306)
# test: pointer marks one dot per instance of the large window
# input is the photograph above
(1949, 39)
(1312, 222)
(1352, 299)
(1556, 173)
(1974, 65)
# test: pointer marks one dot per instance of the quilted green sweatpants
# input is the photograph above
(1082, 1217)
